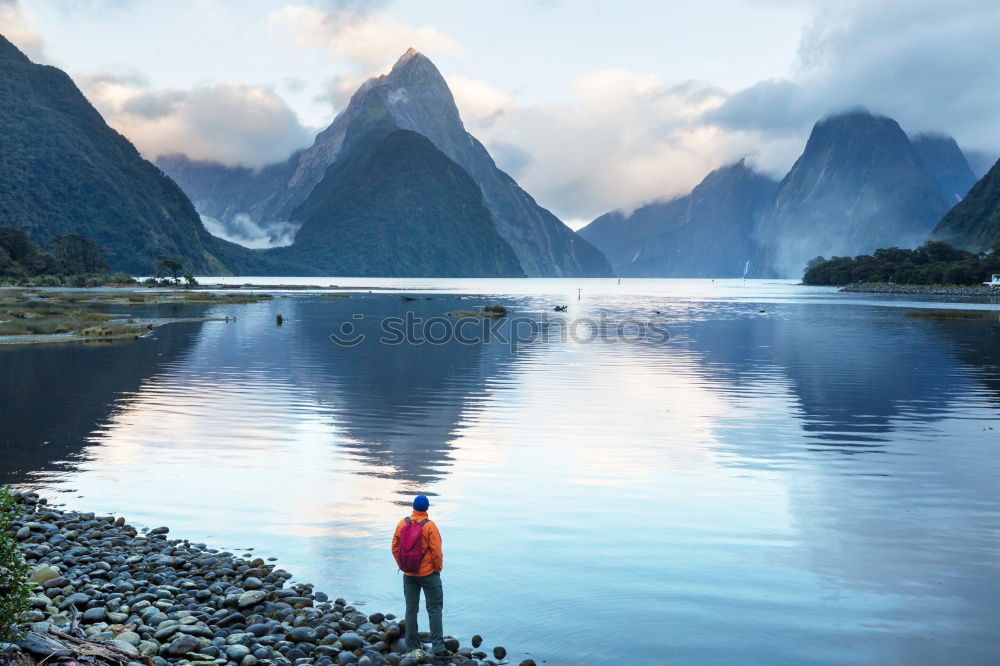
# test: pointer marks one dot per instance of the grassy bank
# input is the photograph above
(488, 311)
(34, 315)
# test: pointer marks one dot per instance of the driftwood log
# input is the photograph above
(61, 649)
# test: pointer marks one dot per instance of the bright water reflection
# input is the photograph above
(798, 476)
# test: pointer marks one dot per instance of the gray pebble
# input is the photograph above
(171, 600)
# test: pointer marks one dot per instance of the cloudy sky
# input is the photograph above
(591, 105)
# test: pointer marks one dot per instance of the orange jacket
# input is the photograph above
(433, 560)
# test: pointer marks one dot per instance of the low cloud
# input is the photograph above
(234, 124)
(515, 160)
(370, 39)
(621, 138)
(624, 139)
(355, 6)
(359, 35)
(92, 8)
(480, 103)
(244, 231)
(16, 25)
(627, 138)
(931, 66)
(772, 106)
(340, 88)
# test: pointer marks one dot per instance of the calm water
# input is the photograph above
(797, 477)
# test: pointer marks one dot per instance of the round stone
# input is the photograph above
(42, 574)
(93, 615)
(251, 598)
(182, 645)
(237, 652)
(302, 634)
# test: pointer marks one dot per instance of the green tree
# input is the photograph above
(14, 590)
(892, 255)
(936, 251)
(931, 263)
(17, 244)
(815, 262)
(78, 255)
(170, 267)
(7, 265)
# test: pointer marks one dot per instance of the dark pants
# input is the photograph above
(433, 599)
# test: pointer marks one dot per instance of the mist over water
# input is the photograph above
(796, 476)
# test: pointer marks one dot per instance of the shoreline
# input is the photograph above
(140, 597)
(201, 286)
(55, 315)
(143, 326)
(982, 291)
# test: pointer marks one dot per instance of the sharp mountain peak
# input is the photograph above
(412, 62)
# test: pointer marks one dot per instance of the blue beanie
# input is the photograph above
(420, 503)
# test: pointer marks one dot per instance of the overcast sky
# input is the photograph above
(591, 105)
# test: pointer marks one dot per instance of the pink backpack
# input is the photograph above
(411, 547)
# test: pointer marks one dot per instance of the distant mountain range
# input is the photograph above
(708, 233)
(413, 96)
(431, 203)
(395, 186)
(860, 184)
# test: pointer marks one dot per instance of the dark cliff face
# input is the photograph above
(63, 170)
(398, 207)
(974, 223)
(708, 233)
(946, 165)
(859, 185)
(413, 96)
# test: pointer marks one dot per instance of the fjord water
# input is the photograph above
(797, 476)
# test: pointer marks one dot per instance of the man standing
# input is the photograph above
(416, 545)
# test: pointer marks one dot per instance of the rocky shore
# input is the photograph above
(981, 291)
(107, 593)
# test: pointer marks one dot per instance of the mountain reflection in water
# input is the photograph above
(797, 476)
